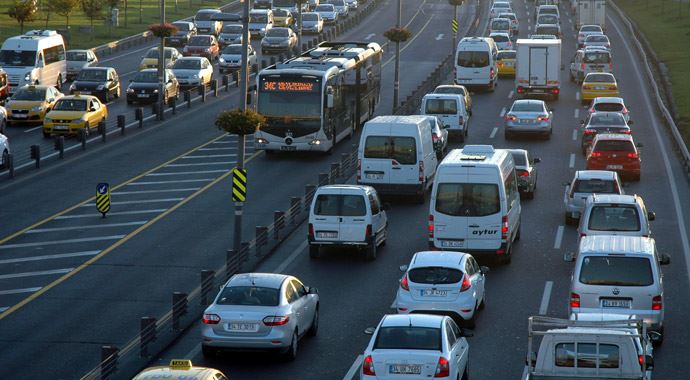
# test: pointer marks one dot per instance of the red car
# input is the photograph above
(202, 46)
(616, 152)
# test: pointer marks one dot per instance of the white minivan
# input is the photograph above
(36, 57)
(475, 62)
(260, 22)
(347, 216)
(475, 204)
(396, 155)
(452, 111)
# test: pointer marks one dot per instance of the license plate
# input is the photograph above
(85, 92)
(625, 304)
(599, 87)
(327, 235)
(195, 54)
(20, 116)
(614, 167)
(287, 147)
(452, 243)
(374, 175)
(243, 327)
(433, 293)
(61, 127)
(537, 90)
(405, 369)
(143, 95)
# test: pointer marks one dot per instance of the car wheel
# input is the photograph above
(370, 252)
(569, 221)
(314, 251)
(314, 323)
(529, 194)
(465, 375)
(118, 92)
(660, 341)
(291, 353)
(46, 135)
(5, 159)
(208, 352)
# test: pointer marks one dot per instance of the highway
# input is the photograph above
(71, 281)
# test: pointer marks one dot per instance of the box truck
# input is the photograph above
(538, 66)
(591, 12)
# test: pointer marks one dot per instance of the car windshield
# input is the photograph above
(547, 19)
(153, 53)
(76, 56)
(232, 29)
(507, 15)
(600, 78)
(233, 49)
(325, 8)
(527, 107)
(248, 296)
(591, 28)
(500, 38)
(204, 16)
(519, 158)
(506, 55)
(30, 94)
(199, 41)
(616, 271)
(597, 38)
(408, 338)
(70, 105)
(340, 205)
(310, 17)
(500, 24)
(614, 146)
(614, 218)
(258, 19)
(441, 107)
(435, 275)
(339, 3)
(609, 107)
(401, 149)
(467, 199)
(473, 59)
(612, 118)
(9, 58)
(277, 32)
(450, 90)
(92, 75)
(146, 77)
(187, 64)
(280, 13)
(544, 29)
(548, 11)
(595, 186)
(182, 26)
(597, 57)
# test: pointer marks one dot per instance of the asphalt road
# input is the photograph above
(71, 281)
(355, 293)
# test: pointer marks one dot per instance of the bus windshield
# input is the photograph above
(21, 58)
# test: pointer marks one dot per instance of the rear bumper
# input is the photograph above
(488, 253)
(454, 309)
(627, 169)
(276, 338)
(653, 319)
(395, 188)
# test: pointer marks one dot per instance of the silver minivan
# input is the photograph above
(619, 275)
(614, 214)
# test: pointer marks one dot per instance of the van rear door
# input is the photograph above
(538, 63)
(327, 217)
(483, 209)
(404, 169)
(353, 216)
(449, 222)
(447, 108)
(376, 161)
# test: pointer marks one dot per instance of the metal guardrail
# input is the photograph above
(678, 139)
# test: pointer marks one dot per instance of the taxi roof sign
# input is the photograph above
(181, 364)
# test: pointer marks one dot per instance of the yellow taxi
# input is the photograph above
(505, 60)
(72, 113)
(150, 60)
(282, 17)
(30, 103)
(598, 84)
(180, 369)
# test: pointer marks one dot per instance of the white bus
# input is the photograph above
(36, 57)
(313, 101)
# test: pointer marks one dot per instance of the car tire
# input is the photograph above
(5, 161)
(208, 352)
(291, 353)
(314, 251)
(529, 194)
(313, 330)
(465, 374)
(569, 221)
(46, 135)
(370, 252)
(118, 92)
(660, 341)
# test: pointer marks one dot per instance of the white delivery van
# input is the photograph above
(452, 111)
(36, 57)
(204, 22)
(538, 68)
(260, 22)
(396, 155)
(591, 12)
(475, 204)
(475, 62)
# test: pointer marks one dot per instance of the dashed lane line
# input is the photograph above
(493, 132)
(574, 134)
(353, 369)
(133, 212)
(577, 113)
(50, 257)
(503, 112)
(66, 241)
(559, 238)
(571, 164)
(545, 298)
(89, 227)
(18, 291)
(37, 273)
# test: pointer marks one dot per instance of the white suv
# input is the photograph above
(585, 183)
(613, 214)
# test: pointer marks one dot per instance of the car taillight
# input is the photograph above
(523, 173)
(590, 132)
(628, 132)
(640, 359)
(442, 368)
(431, 226)
(491, 72)
(657, 302)
(466, 283)
(625, 109)
(434, 138)
(504, 227)
(543, 118)
(359, 170)
(595, 154)
(555, 91)
(276, 320)
(611, 66)
(520, 90)
(210, 319)
(511, 117)
(583, 67)
(311, 230)
(368, 366)
(632, 155)
(461, 120)
(404, 285)
(421, 172)
(613, 87)
(574, 300)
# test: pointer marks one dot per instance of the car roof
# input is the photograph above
(616, 244)
(518, 151)
(77, 96)
(612, 136)
(605, 113)
(437, 258)
(450, 85)
(608, 99)
(327, 188)
(96, 68)
(595, 174)
(529, 101)
(602, 74)
(500, 33)
(267, 280)
(628, 199)
(191, 58)
(415, 320)
(78, 50)
(591, 25)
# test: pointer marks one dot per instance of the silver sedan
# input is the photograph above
(526, 171)
(528, 116)
(263, 311)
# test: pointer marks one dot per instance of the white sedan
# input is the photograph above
(416, 346)
(4, 151)
(442, 282)
(193, 71)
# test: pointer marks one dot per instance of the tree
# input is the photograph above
(23, 11)
(397, 34)
(163, 30)
(64, 8)
(93, 9)
(238, 122)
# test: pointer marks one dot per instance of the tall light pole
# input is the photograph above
(396, 82)
(161, 66)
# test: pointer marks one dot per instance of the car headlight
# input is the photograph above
(72, 87)
(36, 108)
(130, 90)
(263, 29)
(155, 91)
(27, 76)
(47, 120)
(221, 60)
(100, 87)
(195, 76)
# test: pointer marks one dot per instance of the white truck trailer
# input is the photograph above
(591, 12)
(538, 67)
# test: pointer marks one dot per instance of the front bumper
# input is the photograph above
(70, 129)
(25, 118)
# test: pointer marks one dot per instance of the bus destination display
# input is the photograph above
(295, 85)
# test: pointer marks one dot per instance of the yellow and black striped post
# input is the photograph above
(103, 198)
(239, 185)
(454, 26)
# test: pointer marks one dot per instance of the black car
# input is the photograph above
(144, 87)
(185, 31)
(101, 82)
(602, 122)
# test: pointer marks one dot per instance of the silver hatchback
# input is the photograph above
(260, 311)
(528, 116)
(584, 184)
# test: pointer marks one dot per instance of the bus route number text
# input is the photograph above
(289, 86)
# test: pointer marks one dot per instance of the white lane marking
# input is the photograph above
(125, 54)
(559, 238)
(544, 307)
(667, 164)
(493, 132)
(18, 291)
(571, 164)
(207, 149)
(37, 273)
(199, 164)
(41, 230)
(66, 241)
(4, 308)
(155, 191)
(186, 173)
(577, 113)
(577, 95)
(291, 258)
(209, 156)
(439, 37)
(139, 202)
(574, 134)
(510, 94)
(503, 112)
(394, 305)
(33, 129)
(524, 373)
(354, 368)
(50, 257)
(529, 28)
(164, 182)
(370, 36)
(154, 211)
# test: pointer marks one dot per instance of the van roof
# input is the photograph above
(616, 244)
(398, 119)
(613, 198)
(437, 258)
(476, 155)
(337, 188)
(612, 136)
(472, 43)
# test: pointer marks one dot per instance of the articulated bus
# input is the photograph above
(313, 101)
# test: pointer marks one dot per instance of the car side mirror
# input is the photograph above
(536, 160)
(664, 259)
(484, 269)
(630, 122)
(582, 122)
(404, 268)
(651, 215)
(370, 330)
(312, 290)
(639, 145)
(569, 257)
(649, 361)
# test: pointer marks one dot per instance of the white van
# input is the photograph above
(347, 216)
(260, 22)
(204, 23)
(475, 62)
(475, 204)
(452, 111)
(36, 57)
(396, 155)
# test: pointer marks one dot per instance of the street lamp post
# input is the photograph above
(161, 66)
(396, 81)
